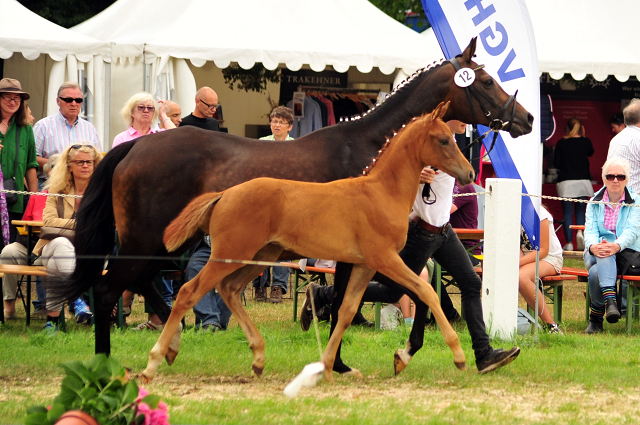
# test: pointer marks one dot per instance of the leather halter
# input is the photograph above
(496, 124)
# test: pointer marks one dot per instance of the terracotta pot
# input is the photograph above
(76, 417)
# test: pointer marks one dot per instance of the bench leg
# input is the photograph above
(557, 303)
(588, 303)
(377, 319)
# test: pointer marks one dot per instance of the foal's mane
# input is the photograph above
(399, 89)
(414, 122)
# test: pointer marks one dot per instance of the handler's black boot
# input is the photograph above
(612, 312)
(595, 326)
(496, 358)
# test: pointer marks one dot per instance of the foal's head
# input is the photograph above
(439, 149)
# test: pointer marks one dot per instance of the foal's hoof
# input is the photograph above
(400, 361)
(170, 356)
(354, 373)
(257, 371)
(461, 366)
(145, 379)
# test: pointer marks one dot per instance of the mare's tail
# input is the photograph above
(95, 230)
(193, 217)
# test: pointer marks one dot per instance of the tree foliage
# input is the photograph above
(66, 13)
(397, 8)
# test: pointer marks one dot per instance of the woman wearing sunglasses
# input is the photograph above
(57, 253)
(609, 229)
(140, 113)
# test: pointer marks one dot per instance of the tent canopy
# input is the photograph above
(25, 32)
(586, 37)
(340, 33)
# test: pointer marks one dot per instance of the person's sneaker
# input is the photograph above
(360, 320)
(276, 295)
(148, 326)
(211, 328)
(554, 329)
(568, 247)
(40, 312)
(82, 312)
(580, 240)
(495, 359)
(306, 316)
(261, 295)
(10, 316)
(50, 329)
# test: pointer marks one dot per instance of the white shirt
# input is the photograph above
(54, 133)
(555, 249)
(626, 144)
(438, 212)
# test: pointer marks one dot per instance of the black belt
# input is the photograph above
(430, 227)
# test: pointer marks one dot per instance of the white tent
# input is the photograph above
(340, 33)
(586, 37)
(22, 31)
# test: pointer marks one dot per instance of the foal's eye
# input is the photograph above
(444, 141)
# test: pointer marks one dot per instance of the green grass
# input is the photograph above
(573, 379)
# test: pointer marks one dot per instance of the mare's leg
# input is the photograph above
(395, 269)
(360, 276)
(189, 295)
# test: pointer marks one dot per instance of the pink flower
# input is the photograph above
(142, 393)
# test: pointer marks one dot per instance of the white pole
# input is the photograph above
(501, 257)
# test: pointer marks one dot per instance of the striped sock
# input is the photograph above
(609, 293)
(596, 313)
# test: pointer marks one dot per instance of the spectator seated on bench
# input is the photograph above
(70, 177)
(609, 230)
(550, 264)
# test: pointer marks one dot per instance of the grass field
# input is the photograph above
(573, 379)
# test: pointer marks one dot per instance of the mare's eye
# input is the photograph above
(488, 83)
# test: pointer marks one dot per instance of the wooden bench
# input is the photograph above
(42, 272)
(633, 293)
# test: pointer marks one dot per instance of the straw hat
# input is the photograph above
(10, 85)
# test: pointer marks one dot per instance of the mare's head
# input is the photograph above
(486, 95)
(439, 149)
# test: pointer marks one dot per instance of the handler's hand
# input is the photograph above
(427, 175)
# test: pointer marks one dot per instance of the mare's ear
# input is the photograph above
(468, 53)
(440, 110)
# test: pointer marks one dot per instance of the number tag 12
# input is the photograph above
(464, 77)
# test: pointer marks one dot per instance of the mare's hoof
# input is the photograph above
(461, 366)
(355, 373)
(400, 361)
(257, 371)
(171, 356)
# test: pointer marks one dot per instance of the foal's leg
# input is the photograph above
(189, 295)
(396, 270)
(360, 277)
(230, 289)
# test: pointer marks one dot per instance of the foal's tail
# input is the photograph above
(95, 230)
(194, 216)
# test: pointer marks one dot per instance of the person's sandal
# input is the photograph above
(148, 326)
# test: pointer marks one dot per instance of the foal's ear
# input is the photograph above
(468, 53)
(440, 110)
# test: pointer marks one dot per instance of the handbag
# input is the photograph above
(628, 262)
(10, 183)
(49, 233)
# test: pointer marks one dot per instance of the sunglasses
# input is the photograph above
(143, 108)
(81, 162)
(76, 147)
(612, 177)
(71, 99)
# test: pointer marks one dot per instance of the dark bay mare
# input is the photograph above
(141, 186)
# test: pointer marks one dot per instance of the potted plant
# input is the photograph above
(101, 389)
